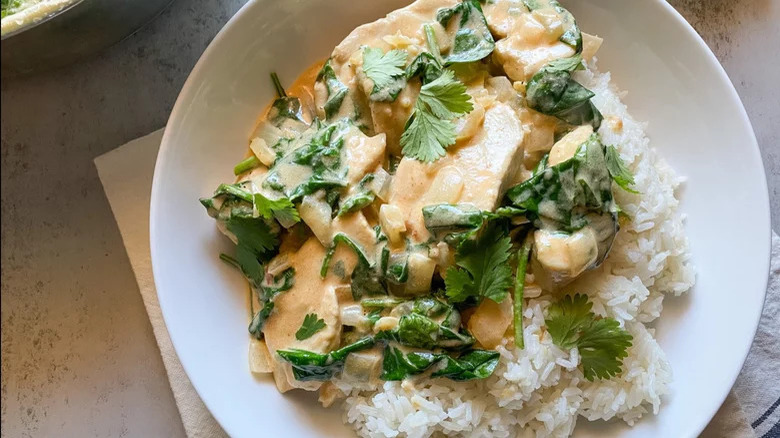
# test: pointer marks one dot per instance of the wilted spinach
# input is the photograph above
(417, 328)
(566, 193)
(361, 199)
(266, 293)
(472, 40)
(554, 92)
(474, 364)
(336, 90)
(308, 365)
(321, 151)
(284, 107)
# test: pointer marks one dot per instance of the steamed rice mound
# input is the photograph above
(539, 391)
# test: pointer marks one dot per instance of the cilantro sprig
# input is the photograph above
(387, 72)
(482, 270)
(430, 130)
(311, 325)
(618, 170)
(601, 342)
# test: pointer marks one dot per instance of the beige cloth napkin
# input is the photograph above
(126, 174)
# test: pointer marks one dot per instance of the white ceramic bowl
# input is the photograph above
(675, 83)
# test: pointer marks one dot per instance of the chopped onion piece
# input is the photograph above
(260, 148)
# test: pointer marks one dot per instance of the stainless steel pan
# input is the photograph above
(73, 33)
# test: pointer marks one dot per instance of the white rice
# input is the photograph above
(540, 391)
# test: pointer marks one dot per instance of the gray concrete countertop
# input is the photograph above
(78, 355)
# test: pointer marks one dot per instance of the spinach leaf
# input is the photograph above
(397, 366)
(475, 364)
(308, 365)
(420, 331)
(552, 91)
(397, 272)
(336, 90)
(426, 66)
(266, 293)
(366, 281)
(280, 209)
(564, 194)
(284, 107)
(361, 199)
(366, 278)
(441, 219)
(356, 202)
(472, 40)
(416, 330)
(571, 34)
(321, 151)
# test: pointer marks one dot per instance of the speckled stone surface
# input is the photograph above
(78, 355)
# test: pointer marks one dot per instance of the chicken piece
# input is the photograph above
(559, 257)
(477, 172)
(527, 40)
(309, 294)
(490, 321)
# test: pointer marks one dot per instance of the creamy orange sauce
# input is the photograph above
(496, 144)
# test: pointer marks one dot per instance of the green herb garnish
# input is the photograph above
(618, 170)
(482, 270)
(430, 130)
(386, 71)
(311, 325)
(601, 342)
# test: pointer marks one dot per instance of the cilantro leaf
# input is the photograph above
(429, 130)
(618, 170)
(282, 209)
(567, 318)
(482, 270)
(446, 96)
(602, 343)
(386, 71)
(427, 136)
(311, 325)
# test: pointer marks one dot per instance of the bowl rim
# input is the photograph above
(46, 18)
(243, 13)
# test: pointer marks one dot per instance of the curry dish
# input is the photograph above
(403, 200)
